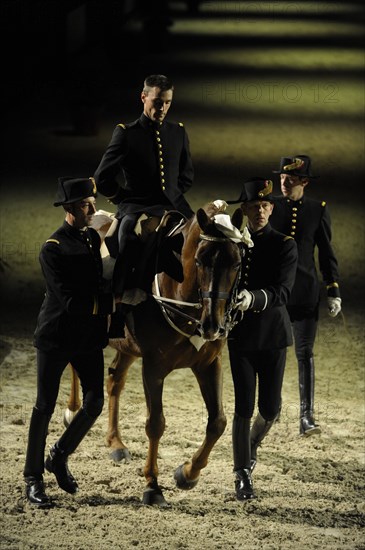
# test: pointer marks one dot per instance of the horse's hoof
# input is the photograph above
(182, 482)
(118, 455)
(154, 497)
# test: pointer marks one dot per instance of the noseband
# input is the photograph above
(218, 295)
(230, 297)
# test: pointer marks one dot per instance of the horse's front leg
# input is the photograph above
(115, 384)
(210, 382)
(155, 427)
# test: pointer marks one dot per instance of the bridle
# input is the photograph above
(170, 305)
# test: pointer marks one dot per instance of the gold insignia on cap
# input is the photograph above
(267, 189)
(181, 124)
(297, 163)
(94, 185)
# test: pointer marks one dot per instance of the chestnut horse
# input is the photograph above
(181, 324)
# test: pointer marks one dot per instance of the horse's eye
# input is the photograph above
(198, 262)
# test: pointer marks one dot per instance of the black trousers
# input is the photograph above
(128, 249)
(304, 321)
(266, 366)
(90, 369)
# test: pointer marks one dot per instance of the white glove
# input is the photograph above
(221, 205)
(334, 306)
(244, 300)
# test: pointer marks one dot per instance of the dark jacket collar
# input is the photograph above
(147, 123)
(297, 202)
(73, 231)
(261, 232)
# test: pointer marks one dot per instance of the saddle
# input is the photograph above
(157, 248)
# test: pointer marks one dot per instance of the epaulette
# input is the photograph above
(323, 203)
(122, 126)
(52, 241)
(287, 237)
(181, 124)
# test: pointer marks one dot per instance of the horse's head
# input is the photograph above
(218, 263)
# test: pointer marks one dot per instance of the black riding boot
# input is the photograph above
(34, 462)
(117, 322)
(259, 430)
(241, 457)
(117, 319)
(56, 461)
(307, 425)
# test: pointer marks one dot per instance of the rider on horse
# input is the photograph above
(155, 159)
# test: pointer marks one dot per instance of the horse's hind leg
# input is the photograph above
(210, 382)
(115, 384)
(74, 402)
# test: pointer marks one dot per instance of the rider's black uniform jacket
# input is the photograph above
(268, 272)
(157, 167)
(73, 316)
(308, 222)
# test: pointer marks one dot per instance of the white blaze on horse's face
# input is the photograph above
(218, 262)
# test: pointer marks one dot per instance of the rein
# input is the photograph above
(166, 303)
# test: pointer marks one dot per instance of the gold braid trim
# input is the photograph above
(266, 190)
(94, 185)
(298, 163)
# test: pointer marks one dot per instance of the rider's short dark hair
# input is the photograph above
(158, 81)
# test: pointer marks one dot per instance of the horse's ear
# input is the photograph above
(202, 218)
(237, 218)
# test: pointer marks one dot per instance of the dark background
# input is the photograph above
(254, 81)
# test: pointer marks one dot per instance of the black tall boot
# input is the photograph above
(124, 277)
(259, 430)
(241, 457)
(117, 319)
(56, 461)
(307, 425)
(117, 322)
(34, 462)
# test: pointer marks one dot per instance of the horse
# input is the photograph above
(181, 324)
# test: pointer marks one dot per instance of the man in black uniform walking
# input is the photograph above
(308, 222)
(257, 344)
(71, 328)
(153, 156)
